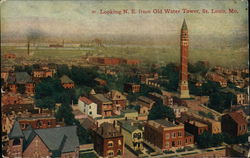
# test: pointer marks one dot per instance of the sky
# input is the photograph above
(75, 18)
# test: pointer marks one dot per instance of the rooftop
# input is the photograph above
(107, 130)
(102, 98)
(86, 100)
(66, 79)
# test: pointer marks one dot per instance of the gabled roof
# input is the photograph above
(116, 95)
(19, 78)
(58, 140)
(16, 131)
(22, 77)
(237, 117)
(86, 100)
(101, 98)
(66, 79)
(107, 130)
(146, 100)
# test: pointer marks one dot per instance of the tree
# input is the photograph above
(159, 111)
(65, 113)
(47, 102)
(206, 140)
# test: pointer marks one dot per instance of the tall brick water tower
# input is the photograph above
(183, 85)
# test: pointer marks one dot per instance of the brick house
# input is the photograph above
(66, 82)
(217, 78)
(132, 87)
(196, 128)
(100, 82)
(42, 73)
(167, 135)
(118, 99)
(131, 61)
(18, 79)
(104, 105)
(108, 142)
(35, 143)
(10, 56)
(214, 126)
(234, 124)
(38, 121)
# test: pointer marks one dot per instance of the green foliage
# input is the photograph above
(172, 73)
(198, 67)
(221, 101)
(159, 111)
(65, 113)
(236, 140)
(46, 102)
(206, 140)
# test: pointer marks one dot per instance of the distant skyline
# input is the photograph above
(75, 20)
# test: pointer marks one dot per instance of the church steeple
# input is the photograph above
(184, 25)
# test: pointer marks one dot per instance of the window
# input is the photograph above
(179, 134)
(167, 136)
(167, 144)
(119, 152)
(173, 144)
(173, 135)
(49, 123)
(89, 107)
(110, 143)
(119, 142)
(90, 113)
(110, 153)
(16, 142)
(186, 140)
(190, 140)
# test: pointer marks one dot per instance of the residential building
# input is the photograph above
(167, 135)
(234, 124)
(100, 82)
(37, 121)
(10, 56)
(196, 128)
(42, 73)
(87, 106)
(217, 78)
(178, 110)
(50, 142)
(132, 87)
(20, 80)
(118, 99)
(214, 126)
(108, 142)
(242, 99)
(145, 104)
(133, 134)
(67, 82)
(104, 105)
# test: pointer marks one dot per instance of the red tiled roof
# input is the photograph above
(238, 118)
(86, 100)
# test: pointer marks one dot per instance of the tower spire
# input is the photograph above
(184, 25)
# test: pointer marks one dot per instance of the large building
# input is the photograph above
(35, 143)
(234, 124)
(108, 142)
(184, 90)
(167, 135)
